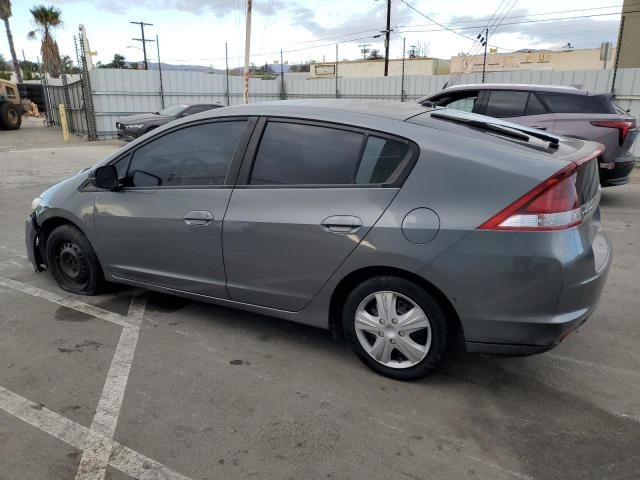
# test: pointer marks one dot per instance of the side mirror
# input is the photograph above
(107, 177)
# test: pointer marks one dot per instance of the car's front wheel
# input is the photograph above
(72, 261)
(396, 327)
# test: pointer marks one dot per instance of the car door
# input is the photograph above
(164, 226)
(521, 107)
(307, 194)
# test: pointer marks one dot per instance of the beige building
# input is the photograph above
(630, 50)
(583, 59)
(375, 68)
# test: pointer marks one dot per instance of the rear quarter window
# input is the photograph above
(568, 103)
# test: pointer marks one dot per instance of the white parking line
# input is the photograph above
(124, 459)
(95, 459)
(67, 302)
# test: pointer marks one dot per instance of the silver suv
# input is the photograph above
(566, 111)
(406, 229)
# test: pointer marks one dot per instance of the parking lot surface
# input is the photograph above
(133, 384)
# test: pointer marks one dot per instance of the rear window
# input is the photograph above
(567, 103)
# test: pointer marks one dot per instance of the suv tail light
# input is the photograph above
(623, 127)
(552, 205)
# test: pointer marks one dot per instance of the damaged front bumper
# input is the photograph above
(32, 241)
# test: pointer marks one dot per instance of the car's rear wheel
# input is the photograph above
(72, 261)
(396, 327)
(10, 116)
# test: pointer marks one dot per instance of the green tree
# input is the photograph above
(118, 61)
(46, 20)
(5, 69)
(67, 65)
(5, 13)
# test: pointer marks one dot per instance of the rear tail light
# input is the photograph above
(552, 205)
(623, 127)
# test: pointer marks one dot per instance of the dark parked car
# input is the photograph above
(566, 111)
(131, 127)
(404, 228)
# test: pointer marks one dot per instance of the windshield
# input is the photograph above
(173, 110)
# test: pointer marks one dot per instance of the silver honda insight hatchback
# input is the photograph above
(407, 229)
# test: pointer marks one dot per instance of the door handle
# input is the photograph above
(342, 224)
(198, 218)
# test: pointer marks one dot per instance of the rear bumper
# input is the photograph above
(520, 293)
(619, 174)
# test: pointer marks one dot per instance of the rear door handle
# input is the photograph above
(342, 224)
(198, 218)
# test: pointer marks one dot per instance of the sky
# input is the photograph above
(195, 31)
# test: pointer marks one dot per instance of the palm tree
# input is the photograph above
(5, 13)
(46, 19)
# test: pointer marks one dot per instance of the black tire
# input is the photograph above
(439, 328)
(10, 116)
(72, 261)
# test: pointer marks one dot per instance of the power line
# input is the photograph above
(500, 10)
(444, 26)
(521, 16)
(525, 22)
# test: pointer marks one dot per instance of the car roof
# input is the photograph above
(515, 86)
(373, 108)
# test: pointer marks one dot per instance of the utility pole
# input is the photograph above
(247, 50)
(143, 40)
(386, 39)
(336, 70)
(484, 61)
(226, 65)
(160, 73)
(617, 60)
(282, 92)
(364, 50)
(404, 44)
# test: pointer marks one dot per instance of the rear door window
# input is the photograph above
(506, 103)
(569, 103)
(301, 154)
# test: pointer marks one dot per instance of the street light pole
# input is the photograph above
(143, 40)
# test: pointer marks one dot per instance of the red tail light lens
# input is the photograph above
(552, 205)
(623, 127)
